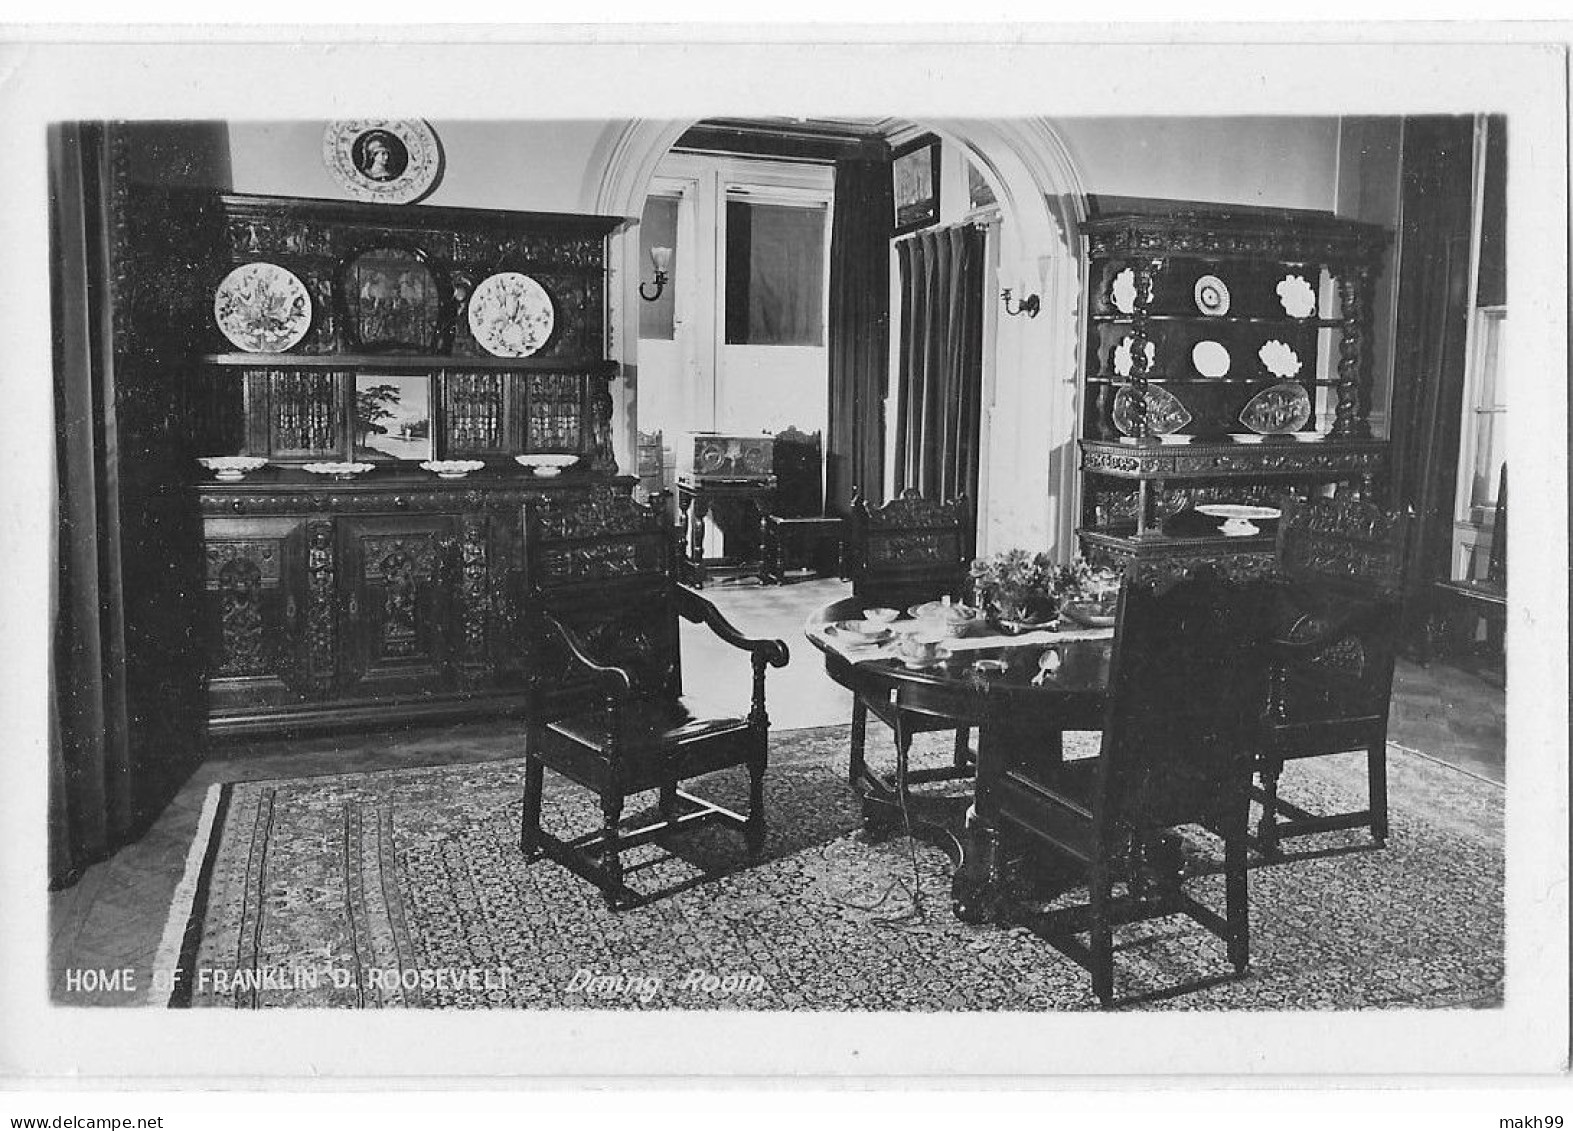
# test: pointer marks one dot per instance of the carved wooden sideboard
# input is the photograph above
(372, 601)
(389, 596)
(1227, 362)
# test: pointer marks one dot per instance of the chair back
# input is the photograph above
(1185, 691)
(911, 549)
(605, 566)
(1343, 544)
(800, 477)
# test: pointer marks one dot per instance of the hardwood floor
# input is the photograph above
(114, 916)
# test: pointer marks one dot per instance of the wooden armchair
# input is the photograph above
(606, 706)
(1330, 656)
(908, 551)
(1183, 697)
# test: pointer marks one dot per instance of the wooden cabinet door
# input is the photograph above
(256, 600)
(397, 600)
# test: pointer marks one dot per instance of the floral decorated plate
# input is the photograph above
(262, 308)
(232, 467)
(452, 468)
(511, 315)
(1124, 358)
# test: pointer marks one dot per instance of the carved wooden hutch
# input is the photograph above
(1227, 361)
(387, 596)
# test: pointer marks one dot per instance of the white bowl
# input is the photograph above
(452, 468)
(337, 470)
(232, 467)
(545, 464)
(880, 616)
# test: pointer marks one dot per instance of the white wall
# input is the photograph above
(1272, 162)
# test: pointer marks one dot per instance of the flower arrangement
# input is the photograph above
(1023, 588)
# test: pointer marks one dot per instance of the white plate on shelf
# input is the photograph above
(452, 468)
(545, 464)
(337, 470)
(231, 468)
(1210, 358)
(1212, 295)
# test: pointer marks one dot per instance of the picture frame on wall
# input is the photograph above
(914, 175)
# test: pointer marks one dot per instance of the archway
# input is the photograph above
(1029, 456)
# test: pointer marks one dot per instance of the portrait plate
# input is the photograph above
(391, 161)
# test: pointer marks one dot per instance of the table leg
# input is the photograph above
(977, 888)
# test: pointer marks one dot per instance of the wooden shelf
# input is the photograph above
(1327, 458)
(1236, 319)
(411, 362)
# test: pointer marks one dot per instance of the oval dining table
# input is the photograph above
(1020, 701)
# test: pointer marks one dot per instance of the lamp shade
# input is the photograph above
(661, 258)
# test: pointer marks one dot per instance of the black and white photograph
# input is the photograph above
(1095, 652)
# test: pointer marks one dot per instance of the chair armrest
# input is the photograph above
(700, 610)
(615, 681)
(1305, 632)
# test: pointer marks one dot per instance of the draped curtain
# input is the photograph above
(90, 802)
(940, 364)
(1432, 320)
(859, 330)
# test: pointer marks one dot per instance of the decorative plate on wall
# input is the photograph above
(1277, 410)
(1123, 293)
(262, 308)
(511, 315)
(1165, 413)
(1210, 358)
(391, 161)
(1279, 359)
(1123, 358)
(1212, 295)
(1296, 296)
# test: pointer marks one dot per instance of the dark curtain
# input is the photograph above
(940, 366)
(127, 695)
(90, 803)
(858, 337)
(1433, 314)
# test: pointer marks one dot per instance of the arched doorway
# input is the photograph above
(1029, 455)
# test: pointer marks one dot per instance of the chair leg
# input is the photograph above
(1101, 942)
(963, 753)
(754, 830)
(611, 860)
(1267, 828)
(1376, 773)
(1237, 908)
(855, 764)
(903, 749)
(666, 801)
(530, 821)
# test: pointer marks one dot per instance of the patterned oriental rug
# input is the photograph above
(406, 889)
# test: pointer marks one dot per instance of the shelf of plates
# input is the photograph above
(1227, 361)
(351, 331)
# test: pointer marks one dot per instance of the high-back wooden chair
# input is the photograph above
(1330, 655)
(1183, 697)
(911, 549)
(908, 551)
(607, 710)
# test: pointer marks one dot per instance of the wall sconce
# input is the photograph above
(1027, 306)
(1025, 279)
(660, 259)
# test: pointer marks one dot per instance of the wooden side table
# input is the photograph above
(739, 507)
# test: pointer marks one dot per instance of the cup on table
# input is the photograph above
(918, 649)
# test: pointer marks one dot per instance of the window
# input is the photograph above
(775, 267)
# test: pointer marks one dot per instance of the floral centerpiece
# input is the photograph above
(1021, 588)
(1017, 587)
